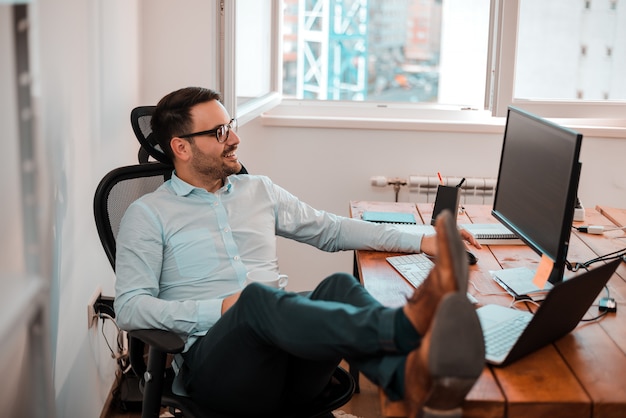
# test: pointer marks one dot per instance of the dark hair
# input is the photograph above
(172, 114)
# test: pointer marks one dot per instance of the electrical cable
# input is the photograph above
(597, 229)
(106, 340)
(600, 316)
(484, 293)
(607, 304)
(606, 257)
(590, 229)
(515, 301)
(121, 355)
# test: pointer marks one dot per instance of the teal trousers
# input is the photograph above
(275, 348)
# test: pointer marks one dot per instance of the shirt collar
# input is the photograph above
(182, 188)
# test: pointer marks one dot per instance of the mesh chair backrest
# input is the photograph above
(143, 121)
(126, 192)
(140, 121)
(116, 191)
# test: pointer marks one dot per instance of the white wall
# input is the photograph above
(87, 67)
(603, 177)
(97, 59)
(12, 364)
(11, 239)
(178, 48)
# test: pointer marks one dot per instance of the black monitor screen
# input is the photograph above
(537, 184)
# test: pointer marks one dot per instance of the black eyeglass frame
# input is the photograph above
(225, 129)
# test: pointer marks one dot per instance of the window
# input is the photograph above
(386, 51)
(557, 59)
(568, 60)
(566, 50)
(249, 51)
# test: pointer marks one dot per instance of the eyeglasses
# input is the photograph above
(221, 132)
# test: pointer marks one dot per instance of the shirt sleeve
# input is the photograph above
(139, 258)
(329, 232)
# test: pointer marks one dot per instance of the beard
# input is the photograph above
(214, 167)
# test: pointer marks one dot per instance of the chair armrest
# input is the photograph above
(162, 340)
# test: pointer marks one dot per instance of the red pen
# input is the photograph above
(440, 178)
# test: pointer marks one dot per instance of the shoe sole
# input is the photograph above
(456, 356)
(457, 250)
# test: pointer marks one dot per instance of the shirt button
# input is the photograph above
(226, 229)
(236, 257)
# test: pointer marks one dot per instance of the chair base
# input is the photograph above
(338, 393)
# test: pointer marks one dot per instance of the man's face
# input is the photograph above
(211, 158)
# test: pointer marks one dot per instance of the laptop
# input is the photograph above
(511, 334)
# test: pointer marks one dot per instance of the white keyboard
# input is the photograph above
(415, 268)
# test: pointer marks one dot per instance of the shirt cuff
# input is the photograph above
(209, 311)
(412, 242)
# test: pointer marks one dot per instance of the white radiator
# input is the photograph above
(474, 190)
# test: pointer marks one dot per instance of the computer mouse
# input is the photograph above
(471, 258)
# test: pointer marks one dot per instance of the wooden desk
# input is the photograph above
(581, 375)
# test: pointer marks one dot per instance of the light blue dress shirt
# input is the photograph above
(181, 250)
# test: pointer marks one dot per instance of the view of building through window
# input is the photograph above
(435, 51)
(362, 50)
(570, 53)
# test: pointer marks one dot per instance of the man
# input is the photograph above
(182, 257)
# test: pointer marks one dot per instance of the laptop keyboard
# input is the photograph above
(415, 269)
(500, 339)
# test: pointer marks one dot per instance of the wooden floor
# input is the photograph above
(365, 404)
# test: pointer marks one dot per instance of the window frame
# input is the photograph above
(500, 75)
(227, 44)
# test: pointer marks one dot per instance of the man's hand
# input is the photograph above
(466, 236)
(429, 242)
(229, 301)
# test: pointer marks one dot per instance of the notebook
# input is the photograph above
(389, 217)
(415, 228)
(557, 315)
(518, 281)
(492, 234)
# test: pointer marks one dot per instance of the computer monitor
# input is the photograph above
(538, 183)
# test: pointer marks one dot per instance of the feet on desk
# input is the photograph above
(440, 373)
(449, 274)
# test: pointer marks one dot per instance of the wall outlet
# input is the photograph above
(92, 316)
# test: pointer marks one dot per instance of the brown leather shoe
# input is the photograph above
(440, 373)
(450, 274)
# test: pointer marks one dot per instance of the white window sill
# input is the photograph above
(304, 114)
(595, 127)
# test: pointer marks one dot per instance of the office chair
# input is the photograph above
(140, 121)
(115, 192)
